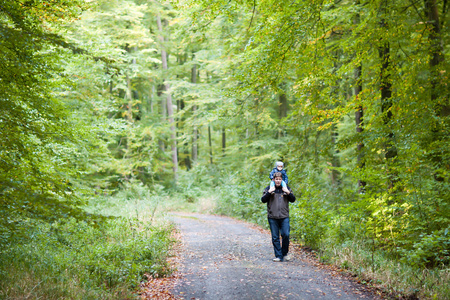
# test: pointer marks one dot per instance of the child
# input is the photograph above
(279, 168)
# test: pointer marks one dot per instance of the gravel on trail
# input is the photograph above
(223, 258)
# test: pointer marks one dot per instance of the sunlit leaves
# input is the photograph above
(312, 49)
(38, 137)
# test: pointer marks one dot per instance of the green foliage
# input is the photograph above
(318, 62)
(429, 250)
(90, 261)
(397, 278)
(325, 58)
(240, 198)
(38, 137)
(84, 115)
(231, 193)
(310, 219)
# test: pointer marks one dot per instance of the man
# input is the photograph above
(278, 215)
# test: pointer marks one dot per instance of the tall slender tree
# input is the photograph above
(169, 102)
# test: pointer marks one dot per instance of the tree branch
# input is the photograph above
(253, 14)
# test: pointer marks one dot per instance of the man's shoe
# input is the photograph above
(287, 258)
(276, 259)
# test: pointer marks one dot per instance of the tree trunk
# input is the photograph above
(316, 160)
(386, 98)
(129, 100)
(163, 103)
(283, 106)
(159, 92)
(194, 138)
(282, 112)
(129, 116)
(436, 58)
(247, 131)
(335, 162)
(359, 114)
(436, 55)
(169, 104)
(194, 111)
(182, 124)
(386, 105)
(210, 145)
(152, 97)
(223, 141)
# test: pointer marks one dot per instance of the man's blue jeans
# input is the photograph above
(277, 227)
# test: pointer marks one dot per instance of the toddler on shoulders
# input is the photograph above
(279, 168)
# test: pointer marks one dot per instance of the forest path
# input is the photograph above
(223, 258)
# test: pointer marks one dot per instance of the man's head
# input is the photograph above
(278, 178)
(279, 165)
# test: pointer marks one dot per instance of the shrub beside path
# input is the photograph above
(223, 258)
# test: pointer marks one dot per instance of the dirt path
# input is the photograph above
(227, 259)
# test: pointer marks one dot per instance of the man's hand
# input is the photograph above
(271, 189)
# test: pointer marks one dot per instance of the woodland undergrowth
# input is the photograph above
(72, 259)
(335, 237)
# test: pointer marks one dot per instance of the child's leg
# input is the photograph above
(272, 183)
(284, 187)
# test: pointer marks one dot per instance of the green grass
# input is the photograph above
(73, 259)
(397, 278)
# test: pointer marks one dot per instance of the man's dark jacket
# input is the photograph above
(277, 203)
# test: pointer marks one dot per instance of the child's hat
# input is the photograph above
(279, 163)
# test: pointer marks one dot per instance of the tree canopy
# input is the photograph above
(352, 95)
